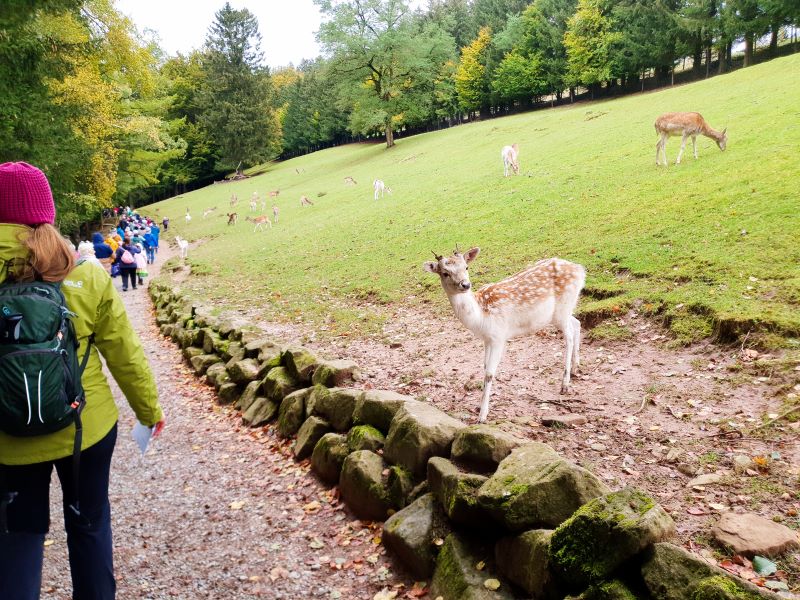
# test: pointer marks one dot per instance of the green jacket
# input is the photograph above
(90, 293)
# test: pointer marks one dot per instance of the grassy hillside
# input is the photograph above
(710, 244)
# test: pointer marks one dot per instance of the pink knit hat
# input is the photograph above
(25, 195)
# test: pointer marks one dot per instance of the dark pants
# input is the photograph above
(128, 273)
(88, 535)
(151, 254)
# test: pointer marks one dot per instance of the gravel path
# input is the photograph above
(219, 511)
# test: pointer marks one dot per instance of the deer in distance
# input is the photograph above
(183, 246)
(349, 181)
(275, 212)
(510, 156)
(208, 211)
(232, 218)
(541, 295)
(188, 217)
(304, 201)
(380, 188)
(259, 221)
(685, 124)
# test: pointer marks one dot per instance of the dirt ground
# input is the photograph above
(656, 417)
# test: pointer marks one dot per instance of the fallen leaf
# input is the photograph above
(312, 507)
(237, 504)
(481, 565)
(491, 584)
(48, 543)
(695, 511)
(316, 544)
(385, 594)
(438, 542)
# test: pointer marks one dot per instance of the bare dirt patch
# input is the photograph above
(657, 417)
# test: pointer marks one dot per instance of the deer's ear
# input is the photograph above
(724, 131)
(471, 254)
(431, 267)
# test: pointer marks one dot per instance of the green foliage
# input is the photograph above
(654, 238)
(383, 61)
(588, 40)
(518, 78)
(236, 92)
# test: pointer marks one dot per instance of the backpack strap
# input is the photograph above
(77, 406)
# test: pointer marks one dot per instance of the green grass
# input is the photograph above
(668, 240)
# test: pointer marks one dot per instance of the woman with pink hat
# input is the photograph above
(32, 250)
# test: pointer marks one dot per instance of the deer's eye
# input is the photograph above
(445, 274)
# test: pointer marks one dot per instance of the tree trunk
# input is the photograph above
(723, 62)
(708, 59)
(389, 136)
(773, 40)
(748, 49)
(571, 95)
(697, 58)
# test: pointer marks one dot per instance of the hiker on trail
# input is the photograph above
(149, 242)
(126, 259)
(32, 251)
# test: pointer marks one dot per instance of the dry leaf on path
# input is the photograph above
(491, 584)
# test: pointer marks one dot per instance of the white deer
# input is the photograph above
(188, 217)
(275, 212)
(685, 124)
(208, 211)
(541, 295)
(380, 188)
(183, 246)
(510, 156)
(259, 221)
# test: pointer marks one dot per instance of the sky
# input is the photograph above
(287, 27)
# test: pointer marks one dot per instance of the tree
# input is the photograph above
(746, 18)
(455, 17)
(494, 13)
(472, 82)
(236, 93)
(588, 41)
(384, 62)
(518, 78)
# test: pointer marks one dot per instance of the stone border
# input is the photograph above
(482, 513)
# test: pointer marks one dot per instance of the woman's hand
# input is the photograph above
(158, 427)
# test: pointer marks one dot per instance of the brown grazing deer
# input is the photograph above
(541, 295)
(259, 221)
(232, 218)
(349, 181)
(304, 201)
(685, 124)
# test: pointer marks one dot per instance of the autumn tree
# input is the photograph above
(588, 40)
(383, 60)
(471, 79)
(236, 92)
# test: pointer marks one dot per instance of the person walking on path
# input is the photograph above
(126, 259)
(31, 249)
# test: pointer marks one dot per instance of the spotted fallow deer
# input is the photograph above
(259, 221)
(541, 295)
(685, 124)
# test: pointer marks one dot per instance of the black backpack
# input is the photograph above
(40, 376)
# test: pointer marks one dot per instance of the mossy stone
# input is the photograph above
(365, 437)
(279, 383)
(301, 363)
(456, 576)
(378, 408)
(190, 352)
(254, 348)
(419, 431)
(457, 493)
(483, 447)
(606, 532)
(292, 412)
(250, 393)
(201, 362)
(362, 485)
(308, 435)
(260, 412)
(399, 484)
(244, 371)
(228, 393)
(210, 339)
(534, 487)
(524, 560)
(410, 535)
(328, 457)
(336, 373)
(335, 405)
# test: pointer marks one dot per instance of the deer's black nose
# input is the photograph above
(465, 285)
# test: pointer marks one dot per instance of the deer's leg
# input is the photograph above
(694, 145)
(493, 352)
(683, 147)
(570, 348)
(576, 347)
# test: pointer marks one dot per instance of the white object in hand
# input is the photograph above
(142, 434)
